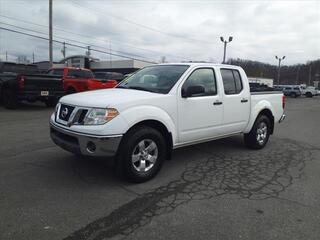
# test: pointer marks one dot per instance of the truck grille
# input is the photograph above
(81, 115)
(69, 115)
(65, 112)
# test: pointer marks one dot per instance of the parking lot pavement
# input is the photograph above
(215, 190)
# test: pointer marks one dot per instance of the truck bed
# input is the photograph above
(273, 97)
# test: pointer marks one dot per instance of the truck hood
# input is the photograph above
(108, 97)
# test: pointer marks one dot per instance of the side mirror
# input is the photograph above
(192, 90)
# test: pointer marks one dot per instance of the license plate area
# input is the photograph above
(44, 93)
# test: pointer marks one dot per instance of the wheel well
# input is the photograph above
(268, 114)
(162, 129)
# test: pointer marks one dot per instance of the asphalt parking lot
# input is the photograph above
(216, 190)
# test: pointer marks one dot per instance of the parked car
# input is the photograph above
(310, 91)
(22, 82)
(109, 76)
(163, 107)
(80, 79)
(292, 91)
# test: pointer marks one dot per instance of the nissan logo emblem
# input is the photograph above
(64, 112)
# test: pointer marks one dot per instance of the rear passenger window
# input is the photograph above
(231, 81)
(204, 77)
(56, 72)
(78, 73)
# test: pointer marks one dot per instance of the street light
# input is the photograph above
(225, 47)
(279, 65)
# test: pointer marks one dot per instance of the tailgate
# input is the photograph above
(43, 82)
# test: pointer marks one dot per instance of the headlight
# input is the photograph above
(98, 116)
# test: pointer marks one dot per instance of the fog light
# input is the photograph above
(91, 147)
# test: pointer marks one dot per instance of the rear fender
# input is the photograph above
(256, 110)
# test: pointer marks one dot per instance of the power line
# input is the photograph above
(139, 24)
(73, 45)
(92, 37)
(72, 40)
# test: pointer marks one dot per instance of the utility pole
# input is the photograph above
(32, 57)
(88, 51)
(225, 42)
(310, 68)
(298, 76)
(50, 34)
(279, 66)
(110, 56)
(6, 56)
(63, 50)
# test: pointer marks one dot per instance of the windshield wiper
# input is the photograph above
(121, 87)
(137, 88)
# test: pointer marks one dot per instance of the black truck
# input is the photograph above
(23, 82)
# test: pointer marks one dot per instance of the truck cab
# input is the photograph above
(80, 79)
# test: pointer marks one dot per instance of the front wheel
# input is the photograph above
(142, 153)
(293, 95)
(258, 137)
(309, 95)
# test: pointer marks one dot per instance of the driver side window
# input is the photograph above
(204, 77)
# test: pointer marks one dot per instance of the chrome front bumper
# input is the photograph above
(85, 144)
(282, 118)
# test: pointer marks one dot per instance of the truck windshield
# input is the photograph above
(159, 79)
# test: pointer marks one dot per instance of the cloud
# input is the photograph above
(261, 29)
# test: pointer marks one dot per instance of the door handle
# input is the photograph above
(243, 100)
(217, 103)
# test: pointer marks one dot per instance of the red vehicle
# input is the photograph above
(80, 79)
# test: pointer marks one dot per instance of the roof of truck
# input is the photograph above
(201, 64)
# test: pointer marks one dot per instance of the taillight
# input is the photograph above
(283, 101)
(21, 82)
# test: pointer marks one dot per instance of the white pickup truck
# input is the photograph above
(163, 107)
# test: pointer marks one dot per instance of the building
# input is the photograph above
(80, 61)
(43, 66)
(120, 66)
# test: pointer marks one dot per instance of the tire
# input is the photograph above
(51, 102)
(258, 137)
(309, 95)
(135, 159)
(293, 95)
(9, 99)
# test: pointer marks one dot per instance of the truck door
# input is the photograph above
(236, 101)
(199, 115)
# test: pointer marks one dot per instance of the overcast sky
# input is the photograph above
(179, 30)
